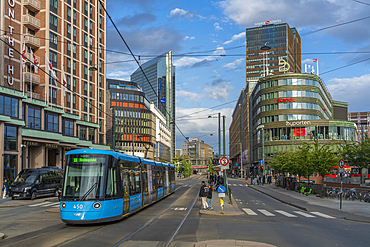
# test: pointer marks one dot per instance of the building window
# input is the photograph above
(74, 16)
(9, 106)
(68, 63)
(82, 133)
(74, 102)
(69, 12)
(68, 100)
(68, 127)
(74, 32)
(52, 122)
(85, 88)
(34, 117)
(52, 95)
(74, 48)
(10, 138)
(53, 56)
(68, 45)
(92, 134)
(53, 20)
(74, 84)
(53, 38)
(54, 3)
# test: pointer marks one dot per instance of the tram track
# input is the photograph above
(153, 219)
(62, 227)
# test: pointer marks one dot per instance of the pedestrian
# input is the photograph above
(221, 181)
(263, 179)
(258, 179)
(246, 180)
(5, 188)
(203, 193)
(209, 197)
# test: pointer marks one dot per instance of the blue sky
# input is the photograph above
(211, 35)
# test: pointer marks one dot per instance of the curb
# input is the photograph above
(53, 210)
(237, 212)
(229, 242)
(26, 203)
(278, 199)
(2, 236)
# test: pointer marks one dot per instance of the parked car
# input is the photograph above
(36, 182)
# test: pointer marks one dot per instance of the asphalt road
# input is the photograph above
(175, 221)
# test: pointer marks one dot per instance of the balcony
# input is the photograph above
(33, 95)
(28, 56)
(31, 22)
(33, 5)
(28, 76)
(32, 41)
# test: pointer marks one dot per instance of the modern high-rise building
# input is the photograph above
(39, 119)
(266, 45)
(161, 88)
(134, 122)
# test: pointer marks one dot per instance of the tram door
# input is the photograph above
(125, 178)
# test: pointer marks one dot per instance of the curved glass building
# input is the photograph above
(288, 109)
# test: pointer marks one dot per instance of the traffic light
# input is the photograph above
(261, 167)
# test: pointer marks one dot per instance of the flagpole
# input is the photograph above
(31, 82)
(317, 63)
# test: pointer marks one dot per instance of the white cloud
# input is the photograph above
(234, 64)
(235, 37)
(187, 37)
(180, 13)
(185, 95)
(219, 92)
(217, 26)
(120, 75)
(200, 126)
(188, 61)
(359, 87)
(322, 13)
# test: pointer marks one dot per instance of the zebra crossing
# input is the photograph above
(45, 204)
(267, 213)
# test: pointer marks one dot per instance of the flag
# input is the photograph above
(34, 61)
(64, 84)
(315, 60)
(51, 71)
(24, 55)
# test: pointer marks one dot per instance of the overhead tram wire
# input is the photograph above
(208, 109)
(58, 81)
(361, 2)
(138, 63)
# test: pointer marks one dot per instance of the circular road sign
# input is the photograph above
(341, 163)
(224, 161)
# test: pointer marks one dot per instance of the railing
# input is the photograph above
(34, 4)
(32, 21)
(34, 95)
(29, 75)
(32, 40)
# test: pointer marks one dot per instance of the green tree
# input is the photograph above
(210, 165)
(357, 154)
(187, 168)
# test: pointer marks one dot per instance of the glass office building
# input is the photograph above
(284, 43)
(161, 89)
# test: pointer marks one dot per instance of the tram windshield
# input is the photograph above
(84, 177)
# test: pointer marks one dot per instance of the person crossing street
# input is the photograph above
(203, 193)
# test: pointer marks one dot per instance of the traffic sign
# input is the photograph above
(221, 189)
(224, 161)
(261, 162)
(341, 163)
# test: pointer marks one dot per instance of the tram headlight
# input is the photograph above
(64, 205)
(96, 205)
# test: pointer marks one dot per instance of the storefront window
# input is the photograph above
(82, 133)
(10, 138)
(68, 127)
(10, 166)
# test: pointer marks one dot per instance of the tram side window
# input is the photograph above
(134, 183)
(160, 177)
(111, 190)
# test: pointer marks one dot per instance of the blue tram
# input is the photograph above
(102, 185)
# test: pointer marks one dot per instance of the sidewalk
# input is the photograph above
(229, 210)
(351, 210)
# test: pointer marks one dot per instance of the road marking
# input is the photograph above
(241, 185)
(285, 213)
(51, 204)
(238, 200)
(38, 204)
(180, 209)
(265, 212)
(304, 214)
(56, 206)
(235, 185)
(249, 211)
(323, 215)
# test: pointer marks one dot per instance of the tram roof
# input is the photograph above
(148, 162)
(105, 152)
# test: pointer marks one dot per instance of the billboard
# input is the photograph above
(245, 155)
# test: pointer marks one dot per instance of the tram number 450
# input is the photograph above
(78, 206)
